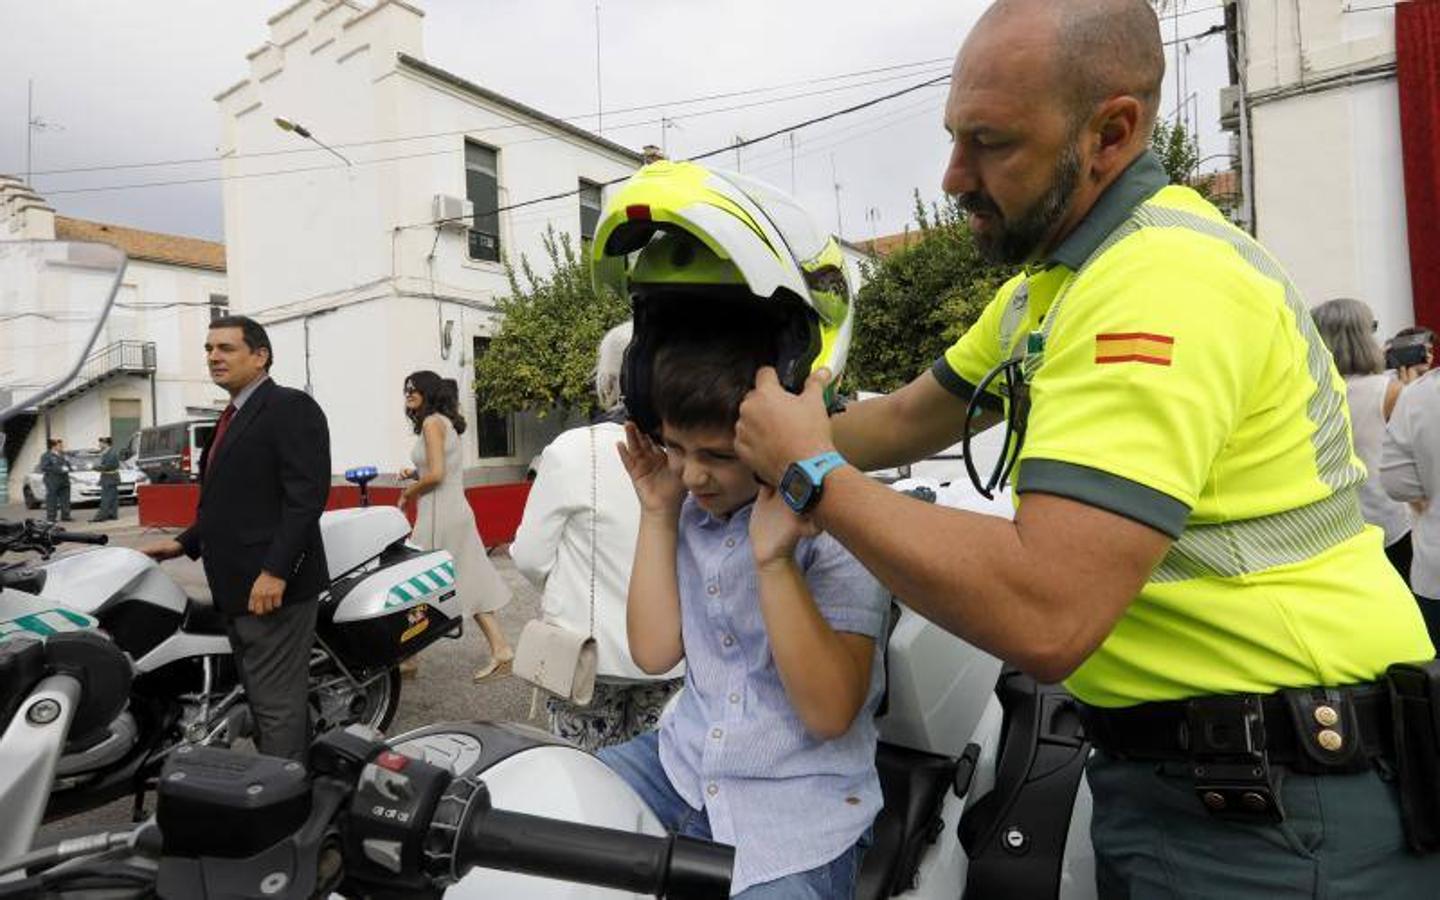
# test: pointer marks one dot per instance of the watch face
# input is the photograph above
(797, 488)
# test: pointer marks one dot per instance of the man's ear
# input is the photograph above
(1117, 124)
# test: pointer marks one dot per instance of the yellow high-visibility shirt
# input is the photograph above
(1176, 379)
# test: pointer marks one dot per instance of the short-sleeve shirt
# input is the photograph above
(733, 745)
(1176, 378)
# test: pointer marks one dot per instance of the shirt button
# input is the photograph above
(712, 590)
(712, 789)
(729, 641)
(734, 698)
(717, 734)
(729, 542)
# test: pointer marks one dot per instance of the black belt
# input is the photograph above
(1230, 742)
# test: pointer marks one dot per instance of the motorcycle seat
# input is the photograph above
(914, 785)
(202, 618)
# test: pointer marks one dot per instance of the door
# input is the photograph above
(124, 421)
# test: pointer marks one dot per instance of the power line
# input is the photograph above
(725, 95)
(706, 155)
(205, 179)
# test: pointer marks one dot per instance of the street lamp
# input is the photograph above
(295, 127)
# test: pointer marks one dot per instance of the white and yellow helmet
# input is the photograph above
(683, 241)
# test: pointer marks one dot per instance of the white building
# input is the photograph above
(1321, 119)
(366, 271)
(147, 366)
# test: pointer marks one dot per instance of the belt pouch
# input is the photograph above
(1415, 710)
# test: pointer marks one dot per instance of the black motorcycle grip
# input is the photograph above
(78, 537)
(677, 867)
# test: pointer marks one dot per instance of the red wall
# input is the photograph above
(497, 507)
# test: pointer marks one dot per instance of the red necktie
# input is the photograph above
(225, 418)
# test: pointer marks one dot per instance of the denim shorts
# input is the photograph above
(638, 762)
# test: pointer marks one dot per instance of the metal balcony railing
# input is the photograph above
(119, 358)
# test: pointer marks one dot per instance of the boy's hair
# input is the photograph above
(700, 376)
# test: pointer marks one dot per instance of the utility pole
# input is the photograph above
(599, 93)
(839, 224)
(739, 139)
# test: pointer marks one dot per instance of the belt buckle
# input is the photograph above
(1228, 765)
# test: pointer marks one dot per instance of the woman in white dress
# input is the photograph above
(444, 519)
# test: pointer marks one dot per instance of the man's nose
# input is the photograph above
(959, 176)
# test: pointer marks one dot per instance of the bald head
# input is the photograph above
(1100, 48)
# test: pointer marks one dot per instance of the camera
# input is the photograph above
(1405, 352)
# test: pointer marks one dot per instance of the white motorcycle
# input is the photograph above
(981, 769)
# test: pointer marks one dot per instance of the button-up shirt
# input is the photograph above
(734, 745)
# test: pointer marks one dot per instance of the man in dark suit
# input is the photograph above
(264, 479)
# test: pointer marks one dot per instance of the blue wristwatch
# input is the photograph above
(803, 481)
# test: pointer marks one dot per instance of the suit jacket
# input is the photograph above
(261, 498)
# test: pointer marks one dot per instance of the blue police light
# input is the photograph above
(361, 474)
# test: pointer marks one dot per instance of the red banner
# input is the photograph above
(497, 507)
(1417, 57)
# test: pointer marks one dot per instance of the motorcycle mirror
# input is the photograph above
(54, 299)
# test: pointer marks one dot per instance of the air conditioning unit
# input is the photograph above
(451, 212)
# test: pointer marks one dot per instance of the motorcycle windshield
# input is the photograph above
(55, 298)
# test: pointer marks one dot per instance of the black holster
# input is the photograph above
(1415, 713)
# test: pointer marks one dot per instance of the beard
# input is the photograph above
(1013, 243)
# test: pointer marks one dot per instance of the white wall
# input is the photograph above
(331, 244)
(1329, 189)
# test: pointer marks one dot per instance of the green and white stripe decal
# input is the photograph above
(422, 585)
(46, 622)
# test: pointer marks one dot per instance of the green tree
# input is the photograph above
(544, 355)
(1179, 153)
(919, 299)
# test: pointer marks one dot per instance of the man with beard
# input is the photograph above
(1188, 554)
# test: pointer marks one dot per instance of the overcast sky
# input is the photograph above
(118, 83)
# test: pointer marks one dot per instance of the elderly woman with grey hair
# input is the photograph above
(1348, 329)
(579, 481)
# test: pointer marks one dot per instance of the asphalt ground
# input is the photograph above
(441, 691)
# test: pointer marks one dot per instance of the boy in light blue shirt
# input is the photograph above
(771, 746)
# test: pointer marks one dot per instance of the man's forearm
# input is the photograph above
(1039, 600)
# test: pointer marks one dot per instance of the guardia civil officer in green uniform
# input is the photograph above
(1188, 547)
(109, 469)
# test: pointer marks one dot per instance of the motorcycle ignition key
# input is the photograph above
(1015, 840)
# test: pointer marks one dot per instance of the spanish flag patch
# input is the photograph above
(1138, 346)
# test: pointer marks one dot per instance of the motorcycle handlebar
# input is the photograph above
(79, 537)
(672, 866)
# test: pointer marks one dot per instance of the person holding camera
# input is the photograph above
(1410, 462)
(1348, 329)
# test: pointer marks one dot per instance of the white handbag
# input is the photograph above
(555, 658)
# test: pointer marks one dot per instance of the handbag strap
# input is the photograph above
(594, 515)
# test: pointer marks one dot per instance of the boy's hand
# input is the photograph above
(775, 529)
(658, 488)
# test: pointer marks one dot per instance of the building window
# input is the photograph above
(494, 434)
(219, 306)
(482, 188)
(589, 210)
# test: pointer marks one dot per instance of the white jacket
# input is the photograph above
(552, 545)
(1410, 470)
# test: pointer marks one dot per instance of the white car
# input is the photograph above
(84, 481)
